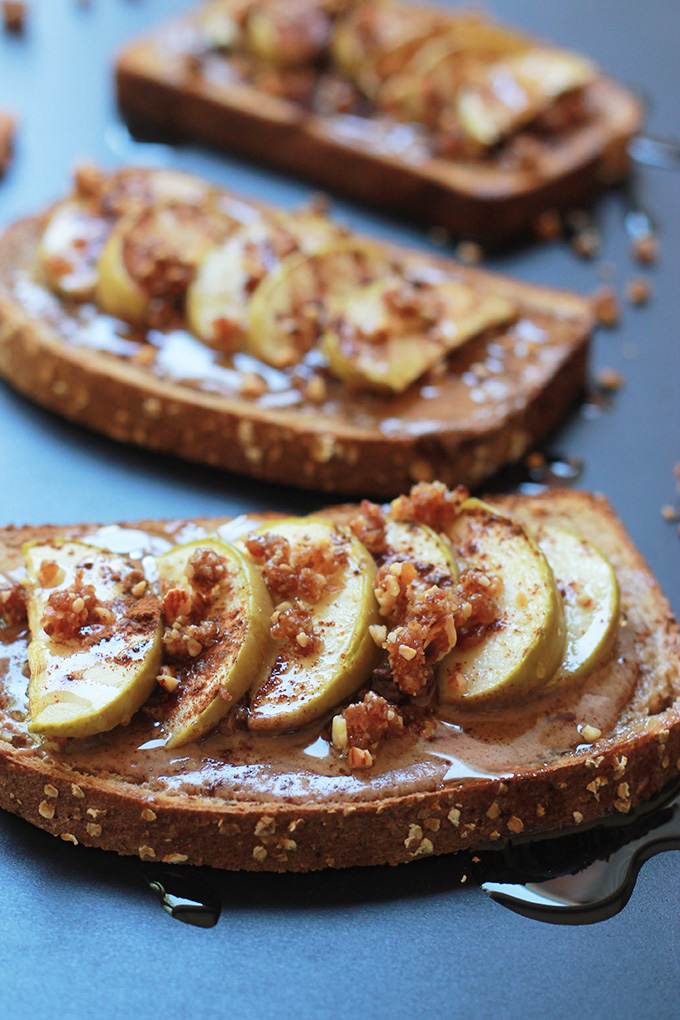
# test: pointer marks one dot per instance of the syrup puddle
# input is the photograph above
(600, 888)
(183, 896)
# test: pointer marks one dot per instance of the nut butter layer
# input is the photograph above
(161, 311)
(448, 116)
(445, 773)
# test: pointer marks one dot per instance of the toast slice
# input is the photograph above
(302, 423)
(321, 118)
(286, 802)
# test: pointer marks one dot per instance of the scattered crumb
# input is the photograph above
(609, 379)
(14, 16)
(606, 307)
(469, 252)
(439, 236)
(638, 291)
(669, 513)
(590, 733)
(645, 249)
(587, 242)
(7, 128)
(548, 226)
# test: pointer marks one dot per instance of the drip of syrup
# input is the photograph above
(538, 886)
(659, 152)
(183, 896)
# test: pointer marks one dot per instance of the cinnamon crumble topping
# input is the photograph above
(71, 609)
(12, 606)
(430, 503)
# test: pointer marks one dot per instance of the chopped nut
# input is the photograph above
(175, 858)
(454, 817)
(259, 853)
(76, 791)
(379, 634)
(93, 829)
(148, 815)
(515, 824)
(590, 733)
(339, 732)
(359, 758)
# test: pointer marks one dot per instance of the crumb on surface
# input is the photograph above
(606, 307)
(609, 379)
(14, 15)
(638, 291)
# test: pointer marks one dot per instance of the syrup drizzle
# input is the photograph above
(183, 896)
(543, 880)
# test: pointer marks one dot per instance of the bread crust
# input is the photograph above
(614, 774)
(473, 199)
(130, 403)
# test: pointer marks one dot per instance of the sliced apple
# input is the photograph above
(289, 308)
(212, 683)
(524, 649)
(430, 552)
(295, 688)
(70, 247)
(371, 345)
(219, 297)
(117, 293)
(510, 92)
(89, 679)
(590, 592)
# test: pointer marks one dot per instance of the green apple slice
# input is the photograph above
(294, 689)
(117, 293)
(430, 552)
(98, 677)
(511, 92)
(291, 304)
(370, 346)
(219, 297)
(70, 247)
(524, 649)
(590, 592)
(211, 684)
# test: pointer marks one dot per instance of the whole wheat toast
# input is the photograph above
(162, 82)
(493, 398)
(264, 806)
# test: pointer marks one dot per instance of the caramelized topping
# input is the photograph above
(71, 609)
(430, 503)
(12, 606)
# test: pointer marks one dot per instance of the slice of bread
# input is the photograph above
(277, 803)
(160, 85)
(497, 395)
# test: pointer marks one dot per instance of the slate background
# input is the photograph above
(80, 933)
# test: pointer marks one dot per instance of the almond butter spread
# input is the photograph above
(421, 747)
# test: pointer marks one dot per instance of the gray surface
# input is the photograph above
(77, 927)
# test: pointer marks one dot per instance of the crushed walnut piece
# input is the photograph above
(430, 503)
(188, 633)
(205, 570)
